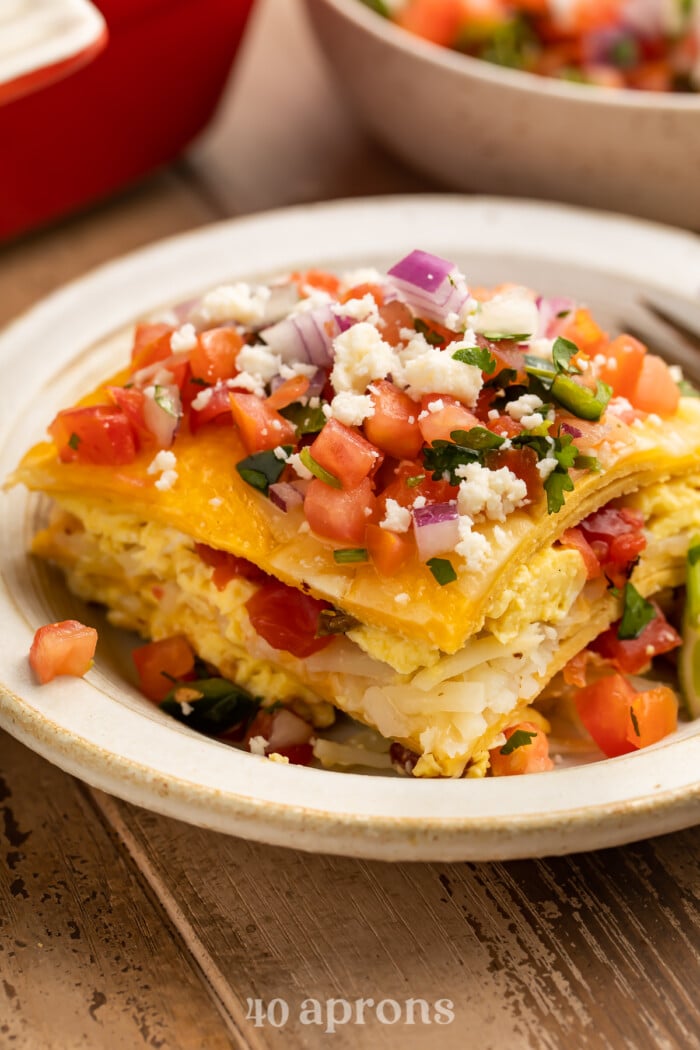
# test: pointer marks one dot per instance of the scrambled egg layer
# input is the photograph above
(449, 708)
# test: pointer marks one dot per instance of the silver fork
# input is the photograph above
(670, 328)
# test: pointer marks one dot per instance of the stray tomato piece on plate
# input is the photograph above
(526, 750)
(160, 664)
(64, 648)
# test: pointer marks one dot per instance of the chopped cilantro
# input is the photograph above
(560, 448)
(563, 313)
(467, 446)
(199, 381)
(334, 621)
(415, 480)
(478, 438)
(520, 738)
(429, 334)
(306, 420)
(476, 355)
(562, 352)
(318, 471)
(637, 613)
(442, 570)
(635, 723)
(350, 554)
(74, 440)
(555, 486)
(591, 463)
(262, 469)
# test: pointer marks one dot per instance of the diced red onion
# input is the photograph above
(574, 431)
(288, 730)
(431, 286)
(162, 414)
(549, 310)
(436, 529)
(285, 496)
(306, 336)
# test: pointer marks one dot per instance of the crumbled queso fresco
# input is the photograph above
(445, 409)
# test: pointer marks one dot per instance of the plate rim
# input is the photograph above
(382, 836)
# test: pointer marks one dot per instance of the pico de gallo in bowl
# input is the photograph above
(648, 45)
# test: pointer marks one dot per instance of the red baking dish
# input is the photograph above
(133, 107)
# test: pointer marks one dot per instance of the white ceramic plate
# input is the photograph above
(100, 729)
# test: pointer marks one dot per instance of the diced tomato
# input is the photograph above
(604, 709)
(405, 494)
(616, 538)
(574, 672)
(655, 716)
(633, 655)
(160, 664)
(228, 567)
(259, 425)
(318, 279)
(532, 757)
(287, 618)
(580, 328)
(214, 357)
(345, 454)
(394, 317)
(146, 337)
(359, 291)
(624, 359)
(506, 354)
(64, 648)
(436, 20)
(575, 539)
(438, 426)
(340, 514)
(217, 408)
(394, 426)
(288, 392)
(505, 426)
(151, 344)
(130, 400)
(523, 463)
(99, 434)
(621, 720)
(655, 390)
(389, 551)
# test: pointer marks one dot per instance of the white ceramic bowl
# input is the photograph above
(476, 126)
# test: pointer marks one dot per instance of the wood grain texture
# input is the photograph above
(87, 957)
(598, 950)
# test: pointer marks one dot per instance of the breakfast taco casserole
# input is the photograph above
(464, 517)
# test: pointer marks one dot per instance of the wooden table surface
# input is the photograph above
(121, 928)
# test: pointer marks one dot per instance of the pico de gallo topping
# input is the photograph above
(650, 46)
(395, 414)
